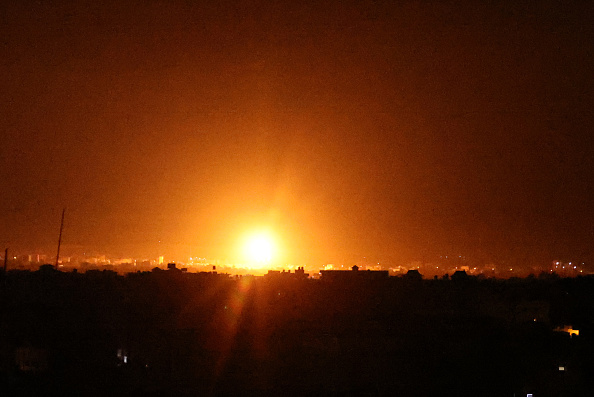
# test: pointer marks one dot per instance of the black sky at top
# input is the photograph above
(353, 128)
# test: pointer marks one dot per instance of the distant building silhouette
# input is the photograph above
(47, 268)
(298, 274)
(353, 275)
(459, 275)
(413, 275)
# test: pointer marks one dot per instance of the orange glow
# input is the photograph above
(569, 329)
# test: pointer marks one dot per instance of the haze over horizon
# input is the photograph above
(406, 130)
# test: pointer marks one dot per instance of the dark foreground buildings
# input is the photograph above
(177, 333)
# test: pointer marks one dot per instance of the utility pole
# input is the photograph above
(60, 238)
(5, 259)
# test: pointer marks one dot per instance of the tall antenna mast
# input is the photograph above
(5, 263)
(60, 238)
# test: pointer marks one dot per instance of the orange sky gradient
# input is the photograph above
(402, 131)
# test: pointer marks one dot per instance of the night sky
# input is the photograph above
(397, 130)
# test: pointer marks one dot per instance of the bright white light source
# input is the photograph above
(258, 248)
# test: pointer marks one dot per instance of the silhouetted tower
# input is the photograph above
(60, 238)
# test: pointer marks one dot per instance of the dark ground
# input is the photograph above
(171, 333)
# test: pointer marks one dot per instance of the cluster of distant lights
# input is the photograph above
(570, 264)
